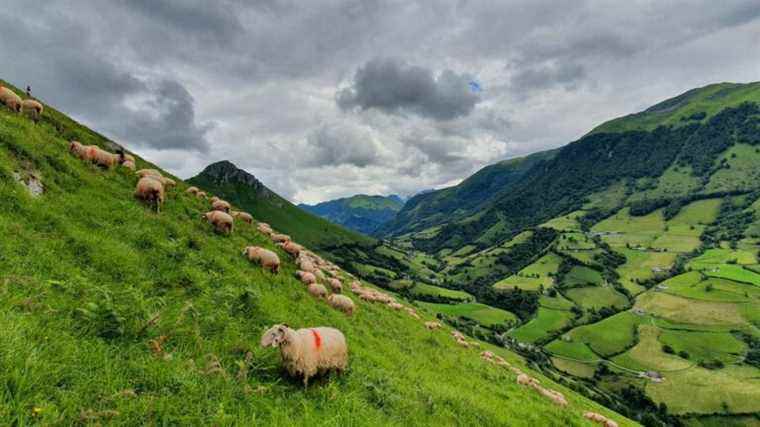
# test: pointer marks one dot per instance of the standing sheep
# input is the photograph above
(148, 172)
(214, 200)
(221, 205)
(306, 278)
(307, 352)
(129, 165)
(192, 190)
(335, 285)
(356, 287)
(76, 148)
(317, 290)
(268, 259)
(221, 221)
(292, 248)
(280, 238)
(342, 303)
(32, 107)
(243, 216)
(10, 99)
(264, 228)
(201, 195)
(151, 191)
(433, 325)
(101, 157)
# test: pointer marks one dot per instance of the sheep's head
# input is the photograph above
(275, 336)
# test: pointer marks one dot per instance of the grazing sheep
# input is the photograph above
(308, 352)
(101, 157)
(214, 200)
(600, 419)
(320, 275)
(463, 343)
(201, 195)
(265, 257)
(129, 164)
(221, 205)
(457, 335)
(151, 191)
(280, 238)
(412, 312)
(356, 287)
(10, 99)
(168, 182)
(487, 355)
(525, 379)
(243, 216)
(335, 285)
(32, 107)
(395, 305)
(342, 303)
(76, 148)
(433, 325)
(264, 229)
(148, 172)
(317, 290)
(221, 221)
(292, 248)
(192, 190)
(555, 396)
(127, 157)
(305, 264)
(305, 277)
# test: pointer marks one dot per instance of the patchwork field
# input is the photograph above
(596, 297)
(705, 346)
(535, 275)
(582, 276)
(648, 354)
(610, 336)
(642, 265)
(481, 313)
(712, 258)
(736, 273)
(691, 311)
(567, 222)
(544, 324)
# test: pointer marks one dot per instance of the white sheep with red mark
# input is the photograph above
(308, 352)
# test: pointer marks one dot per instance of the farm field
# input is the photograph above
(596, 297)
(631, 230)
(736, 273)
(481, 313)
(582, 276)
(705, 346)
(567, 222)
(648, 354)
(573, 350)
(711, 258)
(526, 279)
(423, 289)
(610, 336)
(690, 311)
(642, 265)
(545, 323)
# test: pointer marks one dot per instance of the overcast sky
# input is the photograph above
(324, 99)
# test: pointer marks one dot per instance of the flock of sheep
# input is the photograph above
(305, 352)
(14, 102)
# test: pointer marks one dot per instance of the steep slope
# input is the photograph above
(642, 168)
(437, 207)
(361, 212)
(112, 313)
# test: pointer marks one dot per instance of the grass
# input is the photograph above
(582, 276)
(690, 311)
(84, 268)
(526, 279)
(422, 289)
(639, 267)
(716, 256)
(610, 336)
(631, 230)
(741, 172)
(721, 346)
(546, 322)
(573, 350)
(647, 354)
(596, 297)
(736, 273)
(567, 222)
(481, 313)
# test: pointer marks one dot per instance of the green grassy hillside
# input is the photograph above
(112, 314)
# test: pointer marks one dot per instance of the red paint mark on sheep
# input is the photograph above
(317, 339)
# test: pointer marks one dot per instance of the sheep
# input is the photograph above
(356, 287)
(168, 182)
(221, 221)
(457, 335)
(395, 305)
(192, 190)
(129, 164)
(433, 325)
(463, 343)
(10, 99)
(149, 172)
(150, 190)
(317, 290)
(600, 419)
(32, 107)
(243, 216)
(214, 200)
(201, 195)
(221, 205)
(265, 257)
(101, 157)
(264, 229)
(308, 352)
(305, 264)
(292, 248)
(335, 285)
(525, 379)
(305, 277)
(320, 275)
(280, 238)
(412, 312)
(487, 355)
(342, 303)
(555, 396)
(78, 149)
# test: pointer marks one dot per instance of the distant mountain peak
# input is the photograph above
(225, 172)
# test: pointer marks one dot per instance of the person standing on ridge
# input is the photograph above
(28, 91)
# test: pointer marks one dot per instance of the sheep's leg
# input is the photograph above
(305, 381)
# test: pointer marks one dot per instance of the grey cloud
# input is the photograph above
(340, 144)
(393, 87)
(565, 74)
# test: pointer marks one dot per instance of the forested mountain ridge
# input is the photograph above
(642, 168)
(361, 212)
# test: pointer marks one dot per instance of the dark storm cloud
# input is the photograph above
(393, 87)
(71, 71)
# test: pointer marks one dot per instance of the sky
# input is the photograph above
(325, 99)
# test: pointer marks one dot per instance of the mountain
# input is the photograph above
(664, 155)
(435, 207)
(361, 213)
(113, 314)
